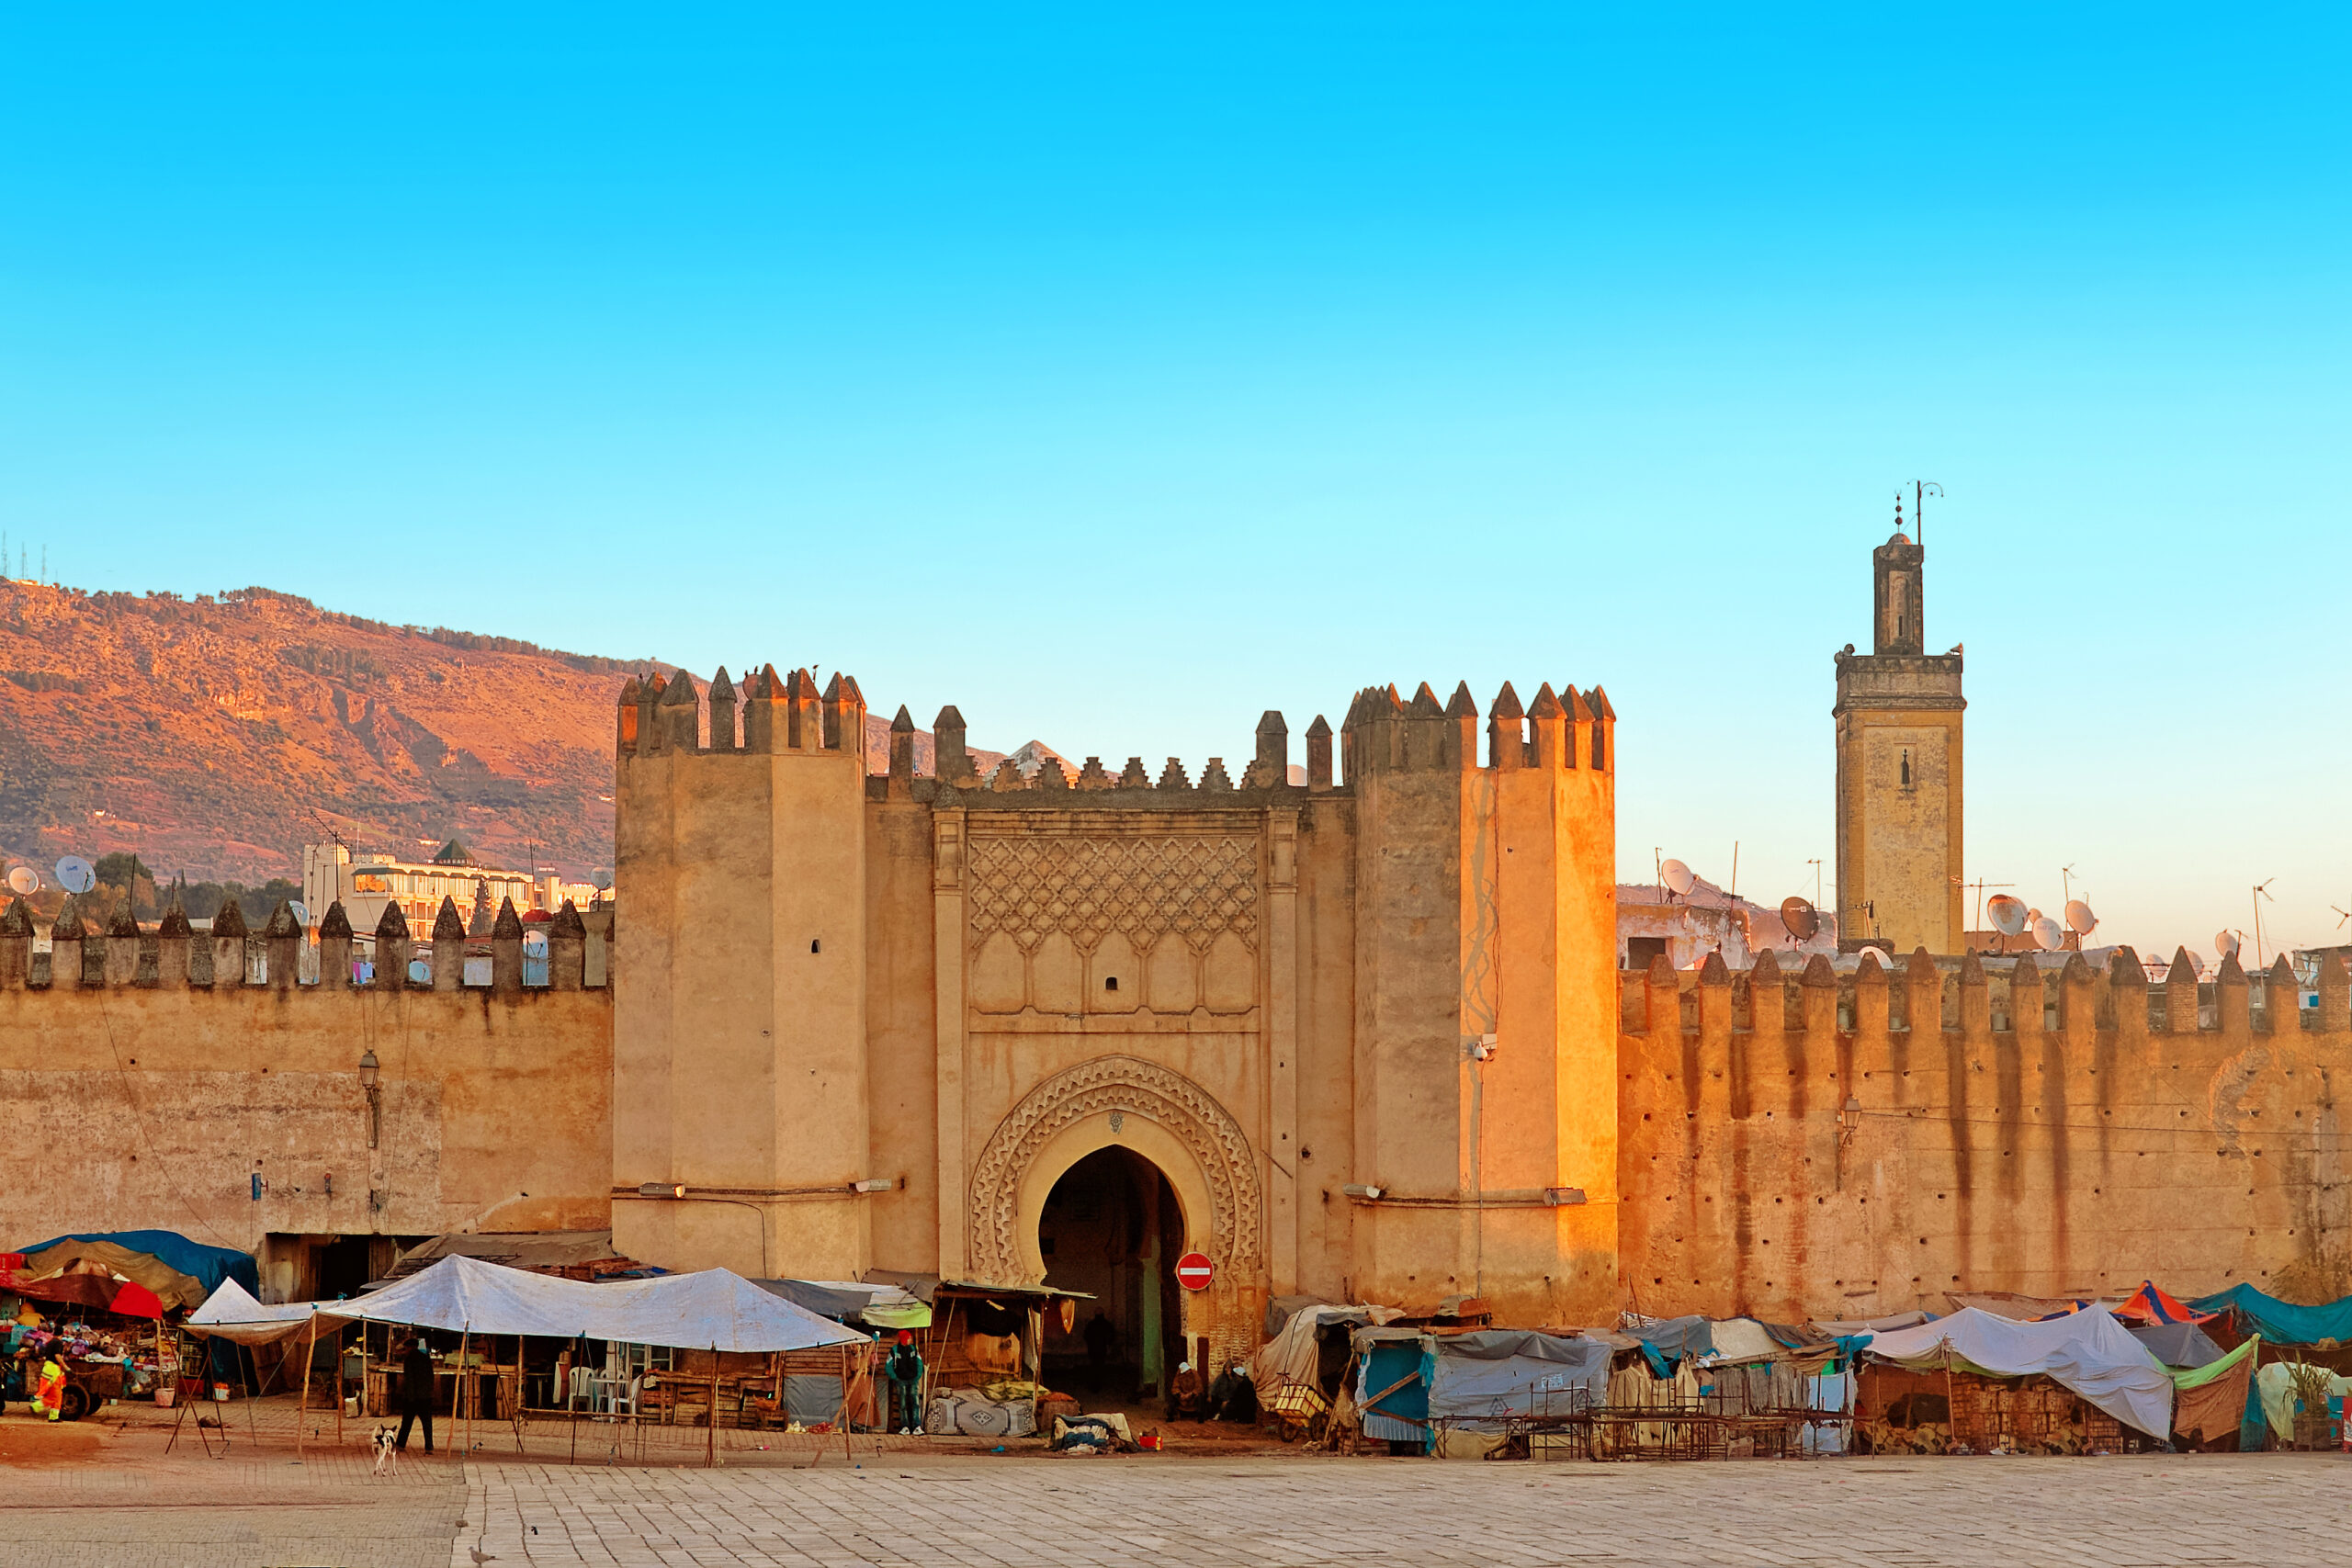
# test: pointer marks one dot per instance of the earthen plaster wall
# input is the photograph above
(134, 1106)
(2098, 1137)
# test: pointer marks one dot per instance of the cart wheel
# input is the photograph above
(74, 1404)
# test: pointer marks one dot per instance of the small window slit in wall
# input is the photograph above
(1110, 982)
(815, 944)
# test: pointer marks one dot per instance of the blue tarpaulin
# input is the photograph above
(208, 1265)
(2283, 1323)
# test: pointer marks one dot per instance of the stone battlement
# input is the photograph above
(1974, 999)
(174, 956)
(1383, 732)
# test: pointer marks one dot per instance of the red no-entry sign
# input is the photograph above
(1193, 1272)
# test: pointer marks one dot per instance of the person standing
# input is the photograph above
(416, 1392)
(1101, 1334)
(903, 1368)
(51, 1393)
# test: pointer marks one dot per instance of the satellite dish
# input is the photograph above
(2225, 943)
(2079, 918)
(2048, 935)
(24, 880)
(602, 876)
(73, 875)
(2196, 965)
(2010, 915)
(1678, 878)
(301, 912)
(1803, 920)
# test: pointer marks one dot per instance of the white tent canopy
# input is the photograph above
(230, 1312)
(2088, 1351)
(713, 1310)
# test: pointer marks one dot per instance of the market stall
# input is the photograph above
(701, 1318)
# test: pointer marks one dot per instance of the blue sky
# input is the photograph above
(1118, 376)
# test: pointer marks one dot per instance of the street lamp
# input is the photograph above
(368, 1073)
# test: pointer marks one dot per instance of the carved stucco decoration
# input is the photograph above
(1119, 1085)
(1144, 885)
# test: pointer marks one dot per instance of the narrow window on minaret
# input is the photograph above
(1906, 770)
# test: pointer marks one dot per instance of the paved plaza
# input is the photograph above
(111, 1496)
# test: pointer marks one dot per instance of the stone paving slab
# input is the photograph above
(2274, 1511)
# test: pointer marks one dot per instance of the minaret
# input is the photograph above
(1898, 718)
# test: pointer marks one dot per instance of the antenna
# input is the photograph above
(1735, 871)
(1919, 489)
(2261, 891)
(1979, 885)
(1816, 882)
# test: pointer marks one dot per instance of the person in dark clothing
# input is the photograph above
(416, 1392)
(1101, 1336)
(1233, 1397)
(902, 1369)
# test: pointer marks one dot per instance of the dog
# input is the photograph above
(388, 1455)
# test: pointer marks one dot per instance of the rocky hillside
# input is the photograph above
(215, 736)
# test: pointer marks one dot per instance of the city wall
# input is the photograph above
(137, 1092)
(1801, 1143)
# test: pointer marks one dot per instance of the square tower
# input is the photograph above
(1898, 718)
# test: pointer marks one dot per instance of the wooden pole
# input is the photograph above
(710, 1442)
(302, 1411)
(460, 1406)
(338, 1385)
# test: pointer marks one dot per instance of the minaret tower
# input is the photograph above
(1898, 718)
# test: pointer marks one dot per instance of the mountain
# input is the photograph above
(216, 735)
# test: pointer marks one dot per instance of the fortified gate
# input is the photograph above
(1355, 1036)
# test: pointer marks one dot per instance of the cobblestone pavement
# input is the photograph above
(1298, 1512)
(100, 1494)
(107, 1495)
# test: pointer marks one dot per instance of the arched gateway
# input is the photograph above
(1160, 1114)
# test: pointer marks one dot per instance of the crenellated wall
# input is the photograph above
(146, 1081)
(1800, 1144)
(1272, 991)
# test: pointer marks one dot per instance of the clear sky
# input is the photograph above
(1118, 373)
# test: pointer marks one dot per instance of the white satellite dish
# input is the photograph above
(2225, 945)
(602, 876)
(301, 912)
(2048, 935)
(1678, 878)
(24, 880)
(2196, 965)
(2079, 918)
(75, 876)
(2010, 915)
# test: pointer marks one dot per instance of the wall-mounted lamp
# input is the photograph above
(1360, 1190)
(661, 1189)
(1482, 1049)
(876, 1184)
(369, 1073)
(1563, 1197)
(1849, 1119)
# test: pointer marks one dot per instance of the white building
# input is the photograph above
(368, 880)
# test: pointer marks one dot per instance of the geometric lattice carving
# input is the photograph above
(1233, 1230)
(1145, 885)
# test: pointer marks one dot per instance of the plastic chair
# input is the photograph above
(624, 1402)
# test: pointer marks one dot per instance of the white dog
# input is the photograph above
(388, 1456)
